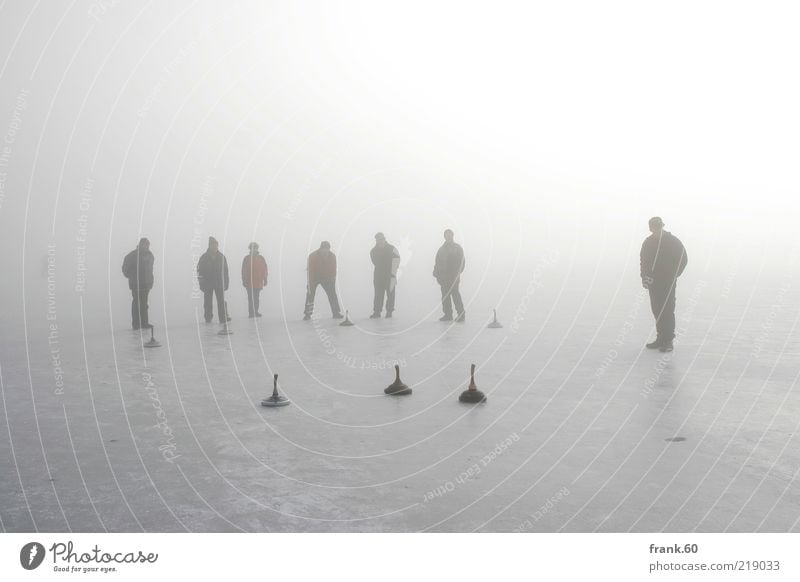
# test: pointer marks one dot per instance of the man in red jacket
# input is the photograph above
(254, 278)
(322, 271)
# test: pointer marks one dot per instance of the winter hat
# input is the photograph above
(212, 240)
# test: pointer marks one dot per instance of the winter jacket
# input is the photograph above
(254, 271)
(384, 259)
(663, 258)
(449, 263)
(138, 268)
(212, 271)
(321, 266)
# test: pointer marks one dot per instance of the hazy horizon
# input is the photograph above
(528, 130)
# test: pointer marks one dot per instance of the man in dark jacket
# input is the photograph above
(212, 274)
(138, 269)
(322, 271)
(662, 260)
(447, 269)
(254, 278)
(386, 260)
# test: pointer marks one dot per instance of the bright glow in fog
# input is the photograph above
(694, 99)
(525, 127)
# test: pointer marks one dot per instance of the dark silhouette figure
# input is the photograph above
(386, 260)
(138, 269)
(662, 260)
(447, 269)
(212, 274)
(254, 278)
(322, 271)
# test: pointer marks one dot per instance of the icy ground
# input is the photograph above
(574, 436)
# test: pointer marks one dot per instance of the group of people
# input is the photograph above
(662, 260)
(213, 279)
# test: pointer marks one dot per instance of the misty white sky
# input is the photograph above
(526, 127)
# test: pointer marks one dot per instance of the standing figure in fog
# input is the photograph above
(386, 260)
(254, 278)
(138, 269)
(322, 271)
(447, 269)
(212, 274)
(662, 260)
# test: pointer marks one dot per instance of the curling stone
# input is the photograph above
(276, 399)
(397, 388)
(495, 324)
(346, 322)
(152, 342)
(472, 395)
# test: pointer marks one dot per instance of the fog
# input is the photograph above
(545, 135)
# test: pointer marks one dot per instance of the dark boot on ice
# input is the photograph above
(388, 315)
(446, 318)
(306, 317)
(338, 316)
(375, 315)
(666, 347)
(462, 317)
(653, 345)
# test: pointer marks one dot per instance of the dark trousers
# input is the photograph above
(329, 286)
(208, 296)
(662, 302)
(382, 289)
(252, 301)
(139, 308)
(450, 295)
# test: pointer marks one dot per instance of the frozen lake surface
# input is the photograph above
(584, 429)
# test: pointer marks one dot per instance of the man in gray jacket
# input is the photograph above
(662, 260)
(447, 269)
(386, 260)
(212, 274)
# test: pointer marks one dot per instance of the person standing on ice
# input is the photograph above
(254, 278)
(138, 269)
(447, 269)
(386, 260)
(662, 260)
(212, 274)
(322, 271)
